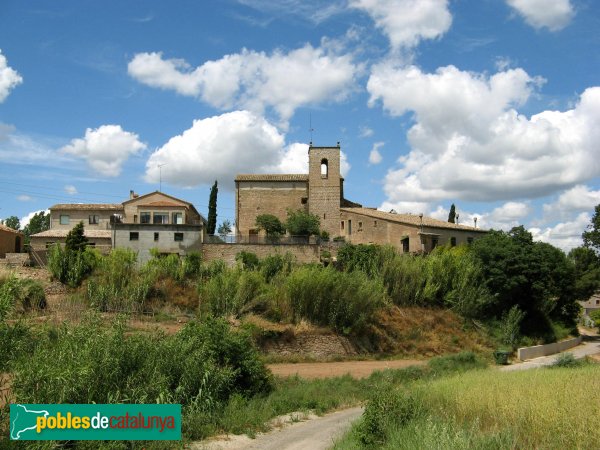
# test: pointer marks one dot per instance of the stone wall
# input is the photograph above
(304, 253)
(9, 242)
(312, 345)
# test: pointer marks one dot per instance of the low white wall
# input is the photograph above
(547, 349)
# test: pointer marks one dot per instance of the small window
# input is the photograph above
(64, 219)
(597, 302)
(434, 243)
(160, 218)
(155, 237)
(49, 244)
(178, 237)
(177, 218)
(134, 236)
(90, 244)
(145, 217)
(323, 215)
(453, 241)
(342, 225)
(469, 240)
(374, 224)
(324, 168)
(94, 220)
(304, 200)
(405, 245)
(359, 226)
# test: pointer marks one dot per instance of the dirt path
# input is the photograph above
(357, 369)
(315, 434)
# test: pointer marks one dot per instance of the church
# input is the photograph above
(321, 192)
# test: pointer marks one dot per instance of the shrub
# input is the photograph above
(302, 223)
(248, 260)
(271, 265)
(71, 267)
(566, 360)
(271, 224)
(230, 292)
(26, 293)
(511, 326)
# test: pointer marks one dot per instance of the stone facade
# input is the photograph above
(166, 239)
(303, 253)
(324, 186)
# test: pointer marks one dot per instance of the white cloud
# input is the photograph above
(316, 11)
(577, 199)
(25, 220)
(253, 80)
(70, 189)
(105, 148)
(222, 146)
(554, 15)
(24, 198)
(469, 142)
(407, 22)
(9, 78)
(365, 132)
(374, 156)
(564, 235)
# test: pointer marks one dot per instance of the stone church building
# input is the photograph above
(321, 192)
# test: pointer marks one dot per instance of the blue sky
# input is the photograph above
(493, 105)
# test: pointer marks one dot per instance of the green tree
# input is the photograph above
(302, 223)
(12, 222)
(452, 214)
(591, 237)
(76, 240)
(224, 228)
(271, 225)
(587, 271)
(212, 210)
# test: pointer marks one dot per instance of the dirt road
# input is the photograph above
(315, 434)
(357, 369)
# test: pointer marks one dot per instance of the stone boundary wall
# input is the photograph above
(16, 259)
(304, 253)
(547, 349)
(311, 345)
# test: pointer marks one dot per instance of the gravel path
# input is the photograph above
(357, 369)
(315, 434)
(579, 352)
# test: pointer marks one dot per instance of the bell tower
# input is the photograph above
(324, 186)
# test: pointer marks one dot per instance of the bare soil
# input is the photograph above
(356, 369)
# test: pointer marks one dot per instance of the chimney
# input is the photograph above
(132, 194)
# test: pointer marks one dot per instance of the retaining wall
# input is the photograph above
(547, 349)
(304, 253)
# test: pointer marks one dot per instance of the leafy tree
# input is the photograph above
(38, 223)
(76, 240)
(587, 271)
(271, 224)
(212, 210)
(224, 228)
(302, 223)
(535, 276)
(12, 222)
(452, 214)
(591, 237)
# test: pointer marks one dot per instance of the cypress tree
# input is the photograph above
(212, 209)
(452, 214)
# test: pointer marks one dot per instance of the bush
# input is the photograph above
(71, 267)
(230, 292)
(271, 265)
(248, 260)
(566, 360)
(26, 293)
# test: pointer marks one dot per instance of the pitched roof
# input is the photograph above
(9, 229)
(162, 203)
(87, 207)
(410, 219)
(140, 197)
(62, 233)
(272, 177)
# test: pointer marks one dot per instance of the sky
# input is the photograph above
(493, 105)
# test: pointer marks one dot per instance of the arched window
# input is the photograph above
(324, 168)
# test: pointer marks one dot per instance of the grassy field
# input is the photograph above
(554, 408)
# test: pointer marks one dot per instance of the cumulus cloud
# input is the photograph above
(564, 235)
(407, 22)
(468, 141)
(374, 156)
(24, 221)
(577, 199)
(70, 189)
(24, 198)
(9, 78)
(105, 148)
(222, 146)
(254, 81)
(554, 15)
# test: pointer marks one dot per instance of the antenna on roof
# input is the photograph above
(310, 128)
(160, 176)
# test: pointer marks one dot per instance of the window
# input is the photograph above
(134, 236)
(135, 218)
(178, 237)
(177, 218)
(453, 241)
(342, 225)
(405, 245)
(323, 215)
(359, 226)
(160, 218)
(469, 240)
(155, 237)
(90, 244)
(94, 220)
(144, 217)
(304, 200)
(597, 302)
(49, 244)
(64, 219)
(434, 243)
(349, 227)
(324, 168)
(374, 224)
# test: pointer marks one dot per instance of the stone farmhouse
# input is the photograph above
(321, 192)
(11, 241)
(141, 223)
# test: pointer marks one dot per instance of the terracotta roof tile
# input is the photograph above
(87, 206)
(410, 219)
(9, 229)
(62, 233)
